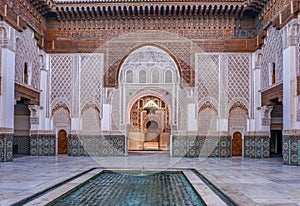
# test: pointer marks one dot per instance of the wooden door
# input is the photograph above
(62, 142)
(237, 145)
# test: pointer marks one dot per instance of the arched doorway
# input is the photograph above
(62, 142)
(149, 124)
(237, 144)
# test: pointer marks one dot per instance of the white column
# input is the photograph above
(7, 98)
(289, 88)
(192, 119)
(256, 123)
(106, 117)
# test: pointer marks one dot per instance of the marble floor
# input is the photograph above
(246, 181)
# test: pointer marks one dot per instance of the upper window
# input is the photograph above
(155, 76)
(273, 73)
(142, 76)
(25, 79)
(129, 76)
(168, 76)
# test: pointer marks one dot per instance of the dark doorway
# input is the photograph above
(276, 130)
(21, 140)
(276, 143)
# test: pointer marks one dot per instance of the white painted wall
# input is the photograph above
(8, 87)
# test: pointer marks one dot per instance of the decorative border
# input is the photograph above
(291, 151)
(43, 145)
(257, 146)
(201, 146)
(96, 145)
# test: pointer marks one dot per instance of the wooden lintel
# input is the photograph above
(269, 95)
(31, 95)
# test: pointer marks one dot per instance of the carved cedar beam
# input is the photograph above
(279, 13)
(271, 94)
(30, 95)
(184, 9)
(213, 45)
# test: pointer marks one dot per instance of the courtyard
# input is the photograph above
(246, 181)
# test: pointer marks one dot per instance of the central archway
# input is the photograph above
(149, 124)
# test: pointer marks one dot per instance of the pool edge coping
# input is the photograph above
(201, 188)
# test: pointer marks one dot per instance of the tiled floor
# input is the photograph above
(246, 181)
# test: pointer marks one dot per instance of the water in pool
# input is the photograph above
(128, 189)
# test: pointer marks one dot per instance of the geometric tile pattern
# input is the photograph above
(42, 145)
(291, 151)
(22, 144)
(257, 146)
(201, 146)
(96, 145)
(6, 147)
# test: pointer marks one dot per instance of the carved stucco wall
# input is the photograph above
(76, 83)
(222, 80)
(27, 51)
(272, 52)
(148, 59)
(142, 64)
(124, 45)
(91, 80)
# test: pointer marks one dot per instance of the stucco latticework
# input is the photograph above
(238, 77)
(208, 77)
(223, 79)
(91, 79)
(27, 52)
(61, 80)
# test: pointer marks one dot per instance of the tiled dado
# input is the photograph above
(6, 147)
(42, 145)
(291, 150)
(96, 145)
(257, 146)
(201, 146)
